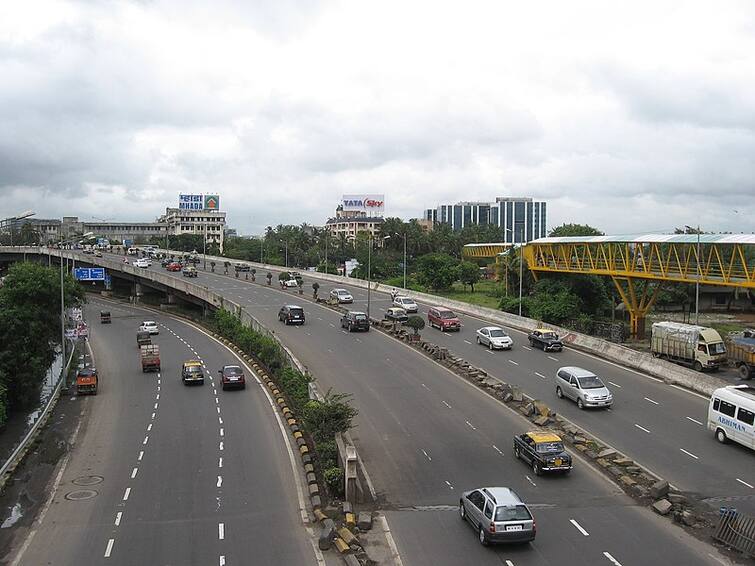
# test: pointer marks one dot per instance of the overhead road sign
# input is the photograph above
(89, 273)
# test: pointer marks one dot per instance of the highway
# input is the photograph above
(179, 475)
(425, 436)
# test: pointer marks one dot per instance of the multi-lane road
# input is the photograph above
(425, 436)
(163, 473)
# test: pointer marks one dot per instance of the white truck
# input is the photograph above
(698, 347)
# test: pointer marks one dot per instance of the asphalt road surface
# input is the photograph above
(168, 474)
(425, 436)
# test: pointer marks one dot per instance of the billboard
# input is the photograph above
(373, 205)
(212, 202)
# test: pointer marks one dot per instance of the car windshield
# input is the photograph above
(497, 333)
(590, 382)
(360, 316)
(512, 513)
(342, 292)
(447, 314)
(405, 300)
(296, 311)
(550, 336)
(193, 369)
(550, 447)
(232, 370)
(717, 348)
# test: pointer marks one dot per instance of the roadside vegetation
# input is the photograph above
(30, 331)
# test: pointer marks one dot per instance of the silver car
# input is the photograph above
(494, 338)
(582, 386)
(342, 296)
(498, 515)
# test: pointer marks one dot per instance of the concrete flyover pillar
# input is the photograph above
(171, 298)
(137, 292)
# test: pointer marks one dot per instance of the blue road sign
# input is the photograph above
(89, 273)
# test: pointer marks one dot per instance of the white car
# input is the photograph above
(342, 296)
(149, 326)
(291, 283)
(140, 263)
(406, 303)
(494, 338)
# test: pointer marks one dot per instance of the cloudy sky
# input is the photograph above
(629, 116)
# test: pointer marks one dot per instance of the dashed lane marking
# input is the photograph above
(221, 445)
(118, 516)
(220, 462)
(134, 472)
(448, 483)
(126, 494)
(615, 384)
(220, 481)
(642, 428)
(612, 559)
(689, 454)
(427, 456)
(745, 483)
(513, 362)
(109, 548)
(446, 404)
(221, 531)
(470, 425)
(497, 449)
(552, 358)
(651, 401)
(540, 375)
(694, 420)
(579, 527)
(146, 439)
(141, 455)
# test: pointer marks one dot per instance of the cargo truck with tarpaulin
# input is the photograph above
(698, 347)
(150, 357)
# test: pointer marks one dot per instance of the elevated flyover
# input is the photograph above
(640, 264)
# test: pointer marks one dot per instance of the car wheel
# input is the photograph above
(517, 455)
(532, 342)
(698, 366)
(580, 404)
(478, 340)
(462, 511)
(483, 537)
(559, 393)
(490, 345)
(721, 436)
(536, 468)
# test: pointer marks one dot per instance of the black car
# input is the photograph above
(545, 339)
(354, 320)
(165, 262)
(242, 267)
(396, 314)
(291, 314)
(542, 450)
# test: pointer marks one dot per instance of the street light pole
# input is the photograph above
(369, 276)
(326, 250)
(697, 282)
(62, 316)
(204, 247)
(404, 260)
(286, 254)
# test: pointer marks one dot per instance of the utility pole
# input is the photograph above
(404, 260)
(204, 247)
(326, 250)
(369, 277)
(62, 319)
(286, 254)
(697, 282)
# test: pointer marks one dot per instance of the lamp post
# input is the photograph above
(404, 236)
(286, 254)
(369, 272)
(204, 248)
(697, 275)
(11, 220)
(521, 265)
(326, 249)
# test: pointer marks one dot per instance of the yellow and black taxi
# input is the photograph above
(191, 372)
(543, 450)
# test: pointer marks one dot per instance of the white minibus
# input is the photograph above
(731, 414)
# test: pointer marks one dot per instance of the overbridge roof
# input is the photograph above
(652, 238)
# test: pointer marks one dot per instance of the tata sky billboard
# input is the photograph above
(199, 202)
(373, 205)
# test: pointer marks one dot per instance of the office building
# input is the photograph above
(521, 219)
(357, 213)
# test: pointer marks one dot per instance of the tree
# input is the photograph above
(331, 415)
(416, 323)
(30, 328)
(566, 230)
(469, 273)
(437, 270)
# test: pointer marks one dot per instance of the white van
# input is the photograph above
(731, 414)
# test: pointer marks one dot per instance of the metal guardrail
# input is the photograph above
(737, 531)
(42, 417)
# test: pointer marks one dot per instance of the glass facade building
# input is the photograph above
(521, 219)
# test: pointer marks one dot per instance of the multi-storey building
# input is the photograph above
(521, 219)
(208, 223)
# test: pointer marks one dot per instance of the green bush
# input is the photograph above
(296, 386)
(334, 480)
(327, 451)
(325, 418)
(416, 322)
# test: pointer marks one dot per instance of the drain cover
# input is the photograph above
(88, 480)
(81, 494)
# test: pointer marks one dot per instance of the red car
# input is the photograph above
(232, 377)
(443, 319)
(175, 266)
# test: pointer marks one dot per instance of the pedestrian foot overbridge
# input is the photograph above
(706, 259)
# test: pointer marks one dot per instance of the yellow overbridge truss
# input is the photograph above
(726, 260)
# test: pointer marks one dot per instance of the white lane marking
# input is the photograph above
(426, 455)
(745, 483)
(220, 420)
(468, 342)
(118, 516)
(141, 455)
(153, 415)
(222, 432)
(109, 548)
(221, 531)
(529, 479)
(149, 427)
(509, 563)
(222, 560)
(490, 352)
(216, 399)
(689, 453)
(448, 483)
(158, 397)
(218, 408)
(642, 428)
(653, 402)
(220, 481)
(470, 425)
(527, 348)
(612, 559)
(426, 387)
(331, 324)
(513, 362)
(220, 462)
(126, 494)
(146, 439)
(134, 472)
(694, 420)
(579, 527)
(221, 446)
(446, 404)
(552, 358)
(156, 405)
(497, 449)
(540, 375)
(615, 384)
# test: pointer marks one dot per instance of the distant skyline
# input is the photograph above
(631, 117)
